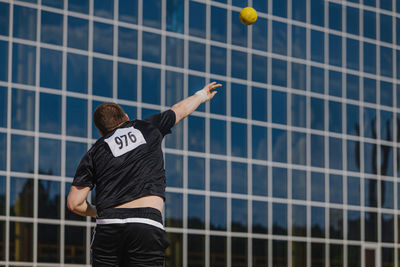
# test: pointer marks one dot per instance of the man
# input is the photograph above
(126, 165)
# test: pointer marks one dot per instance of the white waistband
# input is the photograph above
(130, 220)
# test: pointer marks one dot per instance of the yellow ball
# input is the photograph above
(248, 15)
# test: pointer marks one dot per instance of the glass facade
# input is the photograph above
(293, 163)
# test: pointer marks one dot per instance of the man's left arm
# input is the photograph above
(188, 105)
(77, 203)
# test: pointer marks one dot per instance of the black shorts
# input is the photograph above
(129, 237)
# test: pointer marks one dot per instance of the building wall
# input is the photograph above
(293, 163)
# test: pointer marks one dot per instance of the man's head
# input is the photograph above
(108, 116)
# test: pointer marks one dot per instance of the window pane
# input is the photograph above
(173, 210)
(387, 195)
(174, 170)
(49, 156)
(3, 60)
(336, 255)
(175, 16)
(127, 81)
(353, 120)
(52, 28)
(128, 10)
(299, 10)
(197, 56)
(24, 62)
(22, 162)
(335, 16)
(196, 140)
(174, 251)
(352, 19)
(353, 225)
(78, 33)
(278, 107)
(174, 51)
(103, 38)
(317, 150)
(299, 76)
(127, 42)
(335, 153)
(152, 13)
(299, 153)
(217, 136)
(217, 251)
(318, 254)
(260, 180)
(239, 215)
(317, 45)
(369, 24)
(371, 225)
(299, 220)
(195, 250)
(386, 96)
(218, 24)
(21, 241)
(259, 100)
(239, 251)
(48, 247)
(81, 6)
(279, 8)
(49, 199)
(335, 189)
(260, 217)
(352, 55)
(353, 155)
(279, 145)
(74, 153)
(218, 213)
(102, 77)
(239, 139)
(388, 257)
(387, 228)
(317, 186)
(259, 142)
(3, 152)
(317, 222)
(260, 32)
(279, 36)
(196, 211)
(218, 175)
(239, 178)
(218, 60)
(197, 19)
(317, 80)
(23, 109)
(259, 69)
(24, 23)
(279, 253)
(196, 173)
(77, 73)
(335, 50)
(279, 219)
(104, 8)
(353, 191)
(239, 33)
(336, 223)
(50, 68)
(317, 114)
(75, 244)
(151, 85)
(299, 184)
(299, 254)
(239, 66)
(279, 72)
(50, 113)
(4, 18)
(21, 197)
(238, 100)
(317, 12)
(260, 252)
(369, 58)
(386, 61)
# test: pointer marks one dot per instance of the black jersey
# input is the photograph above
(127, 163)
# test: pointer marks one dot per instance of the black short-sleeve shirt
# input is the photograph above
(127, 163)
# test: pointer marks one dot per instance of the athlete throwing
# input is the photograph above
(126, 166)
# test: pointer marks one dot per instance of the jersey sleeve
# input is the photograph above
(84, 172)
(164, 121)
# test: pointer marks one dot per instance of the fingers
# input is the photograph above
(214, 85)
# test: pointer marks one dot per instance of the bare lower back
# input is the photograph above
(145, 202)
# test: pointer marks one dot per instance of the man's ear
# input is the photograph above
(126, 115)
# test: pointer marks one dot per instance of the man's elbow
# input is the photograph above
(72, 205)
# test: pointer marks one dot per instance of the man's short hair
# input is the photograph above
(108, 116)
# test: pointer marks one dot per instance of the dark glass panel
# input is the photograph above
(299, 76)
(386, 61)
(103, 77)
(261, 5)
(317, 186)
(259, 100)
(386, 28)
(386, 4)
(104, 8)
(69, 215)
(197, 19)
(196, 211)
(279, 8)
(335, 50)
(218, 214)
(196, 250)
(174, 253)
(260, 217)
(299, 110)
(299, 152)
(175, 16)
(279, 145)
(353, 191)
(127, 42)
(335, 153)
(24, 22)
(353, 120)
(2, 201)
(260, 33)
(23, 109)
(371, 226)
(239, 178)
(354, 256)
(3, 60)
(74, 152)
(196, 173)
(78, 32)
(174, 170)
(386, 91)
(22, 162)
(317, 80)
(218, 60)
(335, 223)
(299, 254)
(369, 3)
(128, 11)
(279, 253)
(335, 189)
(197, 137)
(127, 81)
(218, 24)
(369, 24)
(352, 87)
(49, 156)
(174, 51)
(260, 253)
(3, 151)
(238, 65)
(353, 225)
(151, 47)
(317, 150)
(239, 31)
(217, 136)
(152, 13)
(317, 113)
(81, 6)
(279, 219)
(218, 251)
(76, 117)
(353, 155)
(317, 222)
(49, 199)
(197, 56)
(259, 69)
(24, 64)
(75, 244)
(317, 45)
(21, 197)
(260, 180)
(278, 107)
(238, 100)
(279, 37)
(173, 210)
(299, 220)
(299, 184)
(317, 12)
(335, 16)
(52, 28)
(387, 195)
(279, 182)
(299, 10)
(352, 54)
(239, 139)
(370, 193)
(218, 175)
(50, 113)
(318, 255)
(370, 123)
(353, 20)
(335, 83)
(259, 142)
(151, 85)
(50, 68)
(387, 257)
(369, 58)
(387, 228)
(239, 252)
(2, 240)
(239, 215)
(370, 158)
(4, 18)
(21, 241)
(336, 255)
(48, 246)
(77, 73)
(299, 41)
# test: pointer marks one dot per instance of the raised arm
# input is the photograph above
(186, 107)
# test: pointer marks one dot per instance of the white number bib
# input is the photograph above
(125, 140)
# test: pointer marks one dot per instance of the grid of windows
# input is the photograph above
(293, 163)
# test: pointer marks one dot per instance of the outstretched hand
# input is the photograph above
(207, 92)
